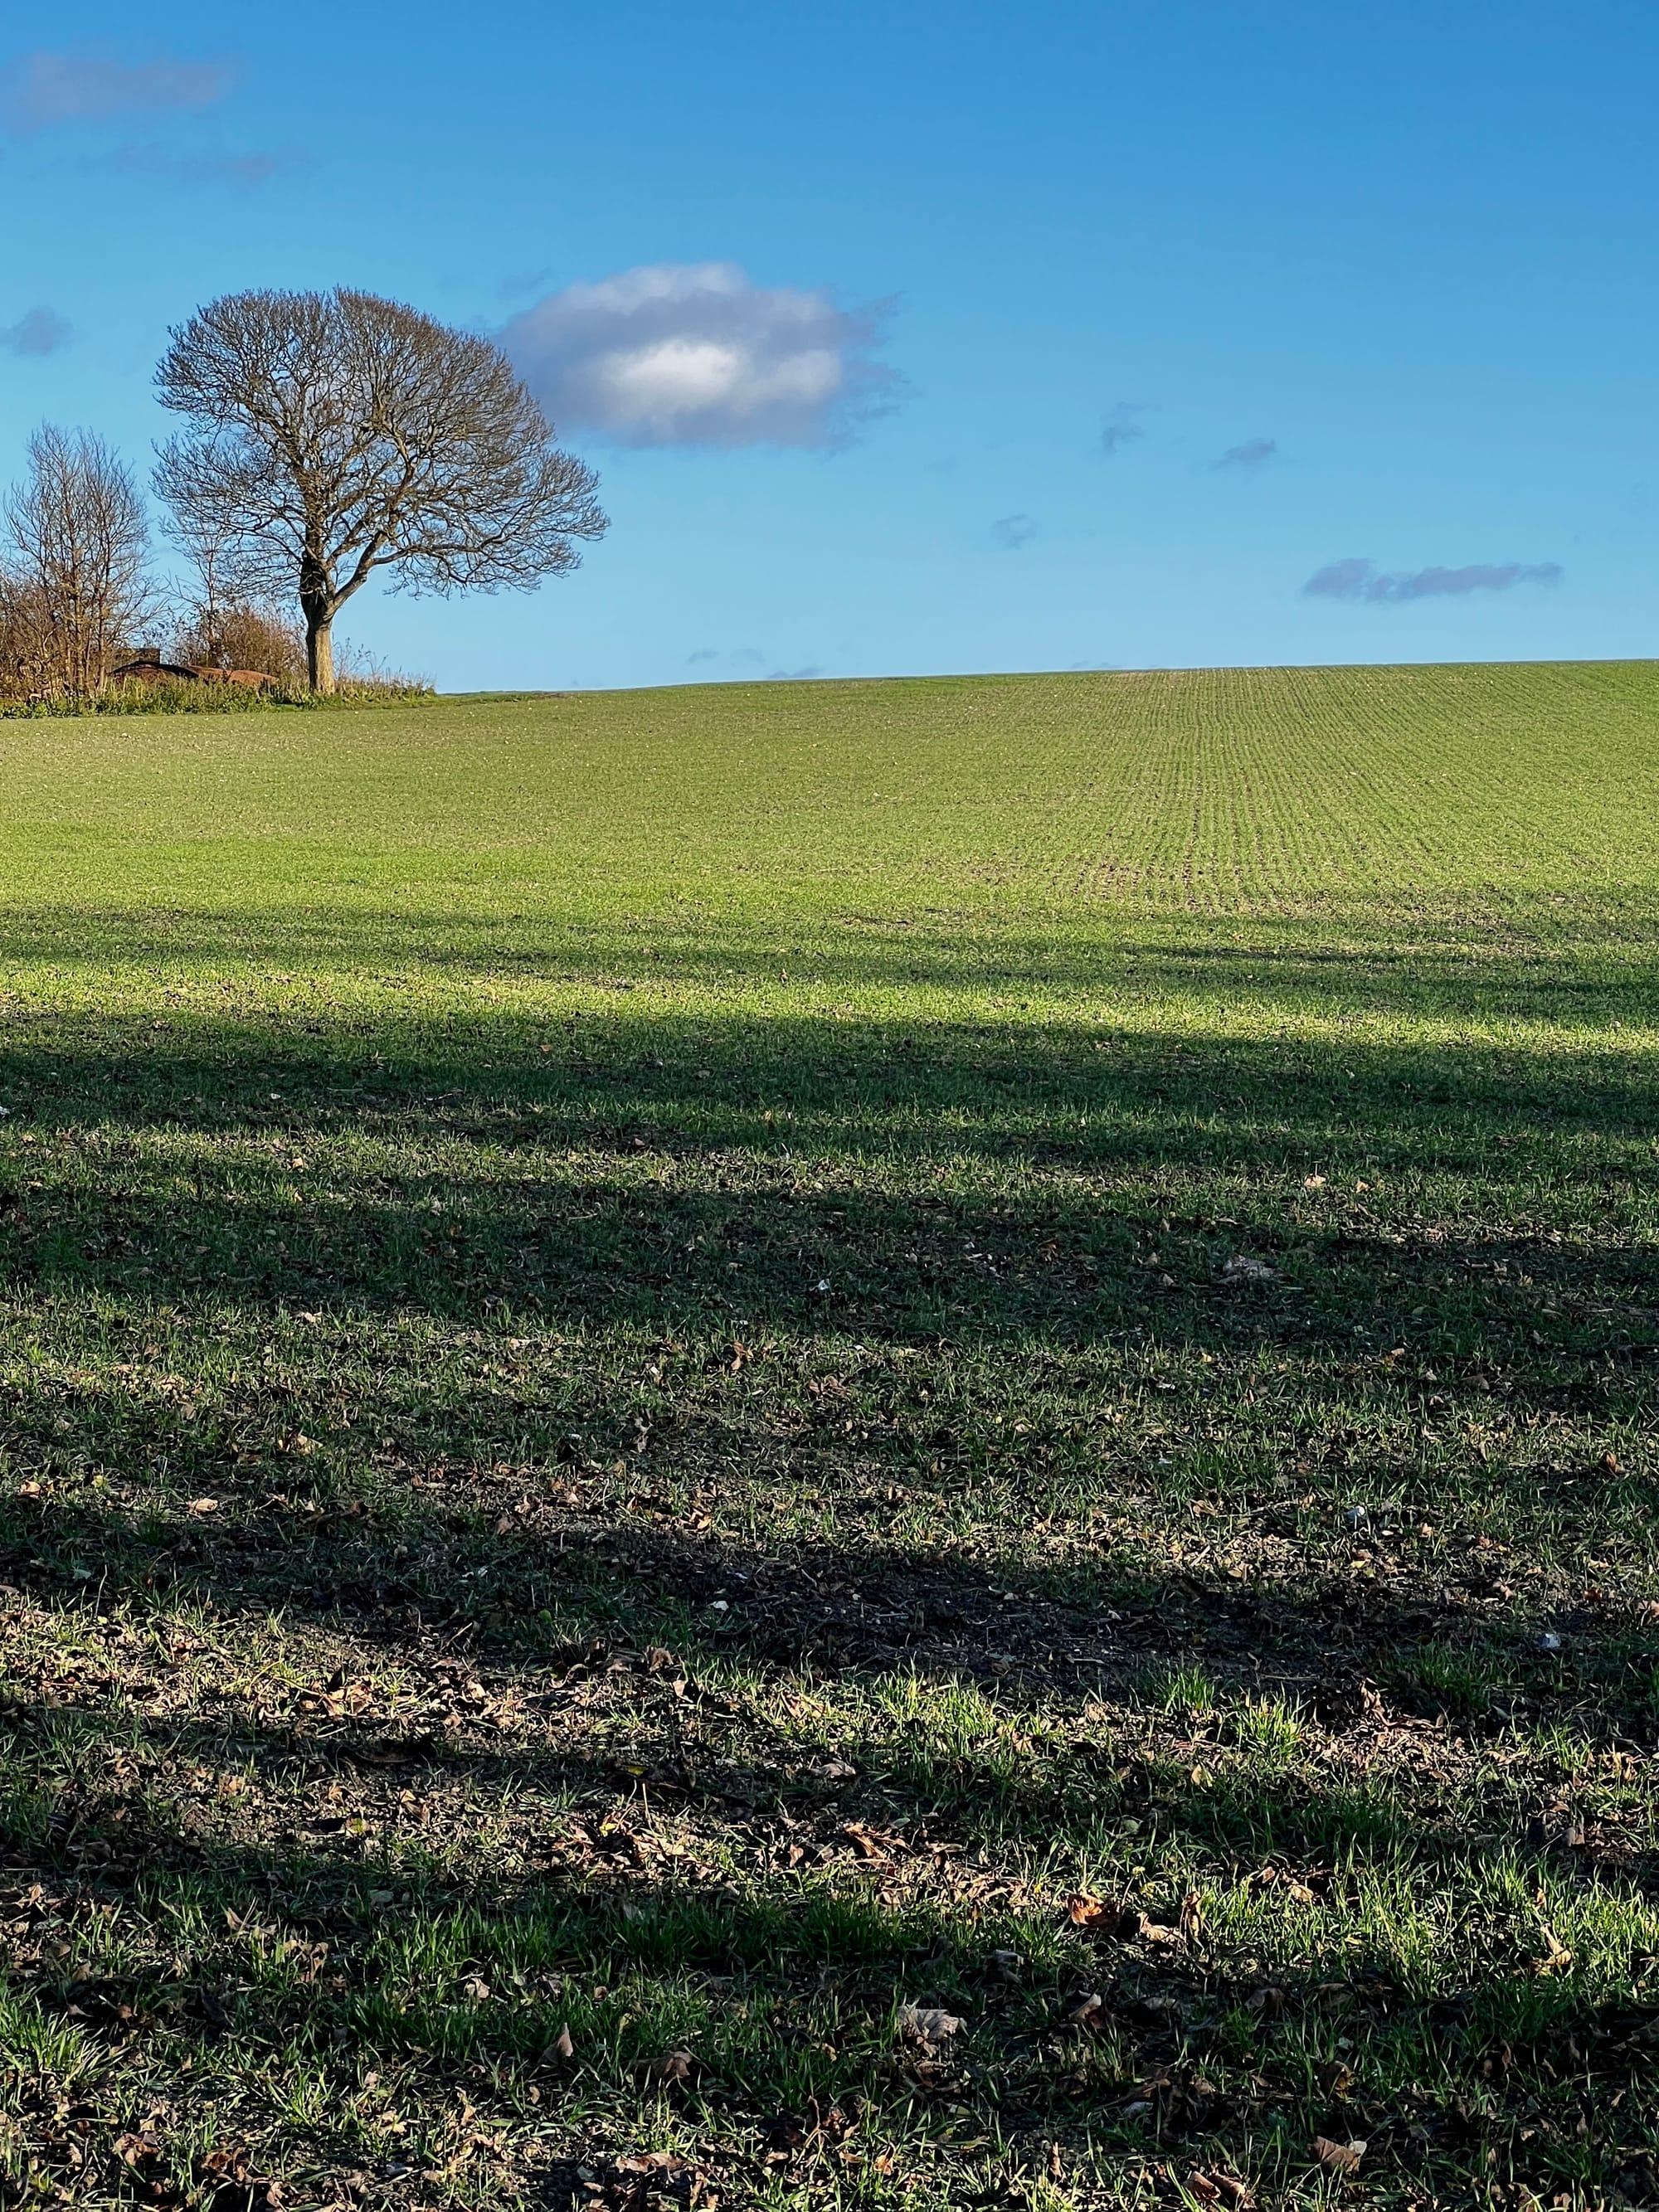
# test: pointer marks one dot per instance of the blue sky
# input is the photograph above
(909, 336)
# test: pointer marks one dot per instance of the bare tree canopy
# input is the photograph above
(77, 578)
(333, 433)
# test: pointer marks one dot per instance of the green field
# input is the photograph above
(689, 1377)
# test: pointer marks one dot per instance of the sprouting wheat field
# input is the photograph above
(864, 1444)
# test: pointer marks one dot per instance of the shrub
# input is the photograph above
(242, 635)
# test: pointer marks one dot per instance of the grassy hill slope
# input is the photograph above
(733, 1368)
(1203, 791)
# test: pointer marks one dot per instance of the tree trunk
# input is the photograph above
(319, 653)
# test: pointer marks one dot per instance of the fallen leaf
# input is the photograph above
(672, 2066)
(1557, 1957)
(868, 1842)
(927, 2025)
(1121, 1920)
(1243, 1268)
(1338, 2157)
(1155, 2011)
(204, 1505)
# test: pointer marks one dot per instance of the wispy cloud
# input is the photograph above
(748, 656)
(699, 355)
(1123, 426)
(793, 675)
(1254, 453)
(526, 280)
(42, 331)
(248, 170)
(1013, 530)
(39, 90)
(1360, 580)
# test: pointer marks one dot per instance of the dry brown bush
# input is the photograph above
(242, 635)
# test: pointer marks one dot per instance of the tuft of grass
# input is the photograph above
(1464, 1681)
(1179, 1692)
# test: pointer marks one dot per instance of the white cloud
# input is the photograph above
(39, 90)
(699, 355)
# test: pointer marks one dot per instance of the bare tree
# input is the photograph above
(330, 435)
(27, 657)
(81, 543)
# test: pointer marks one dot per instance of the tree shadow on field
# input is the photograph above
(178, 1907)
(489, 1349)
(1528, 957)
(1064, 1204)
(496, 1562)
(1049, 1220)
(1059, 1185)
(123, 1831)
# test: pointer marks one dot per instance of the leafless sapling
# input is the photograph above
(80, 555)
